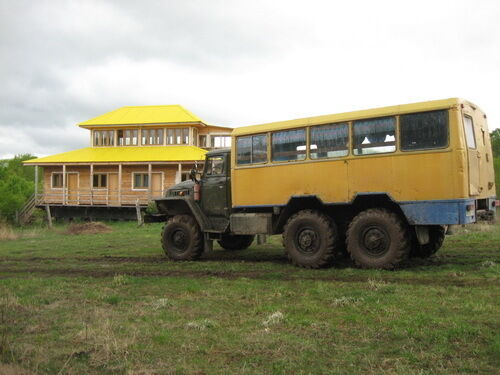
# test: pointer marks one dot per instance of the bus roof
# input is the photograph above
(355, 115)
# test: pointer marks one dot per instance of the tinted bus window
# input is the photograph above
(289, 145)
(374, 136)
(251, 149)
(243, 150)
(259, 148)
(329, 141)
(421, 131)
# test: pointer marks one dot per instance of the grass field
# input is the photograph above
(111, 303)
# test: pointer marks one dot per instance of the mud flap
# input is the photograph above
(208, 244)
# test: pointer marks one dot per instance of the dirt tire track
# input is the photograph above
(6, 272)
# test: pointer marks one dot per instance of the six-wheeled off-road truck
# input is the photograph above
(380, 185)
(199, 211)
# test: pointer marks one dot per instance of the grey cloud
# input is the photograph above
(39, 39)
(346, 51)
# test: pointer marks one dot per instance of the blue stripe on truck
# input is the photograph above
(439, 212)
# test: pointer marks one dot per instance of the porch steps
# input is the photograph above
(26, 212)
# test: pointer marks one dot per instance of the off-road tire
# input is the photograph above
(181, 238)
(236, 242)
(310, 239)
(378, 238)
(436, 239)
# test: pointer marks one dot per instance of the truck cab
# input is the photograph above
(198, 211)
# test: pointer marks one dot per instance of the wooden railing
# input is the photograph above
(93, 197)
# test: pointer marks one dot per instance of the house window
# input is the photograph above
(219, 141)
(57, 180)
(195, 137)
(100, 180)
(178, 136)
(104, 137)
(152, 136)
(128, 137)
(141, 181)
(204, 141)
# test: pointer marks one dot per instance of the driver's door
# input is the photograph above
(214, 186)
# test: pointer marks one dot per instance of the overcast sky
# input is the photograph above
(235, 63)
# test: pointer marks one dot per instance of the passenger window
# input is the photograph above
(289, 145)
(251, 149)
(374, 136)
(469, 132)
(259, 148)
(329, 141)
(422, 131)
(215, 166)
(243, 150)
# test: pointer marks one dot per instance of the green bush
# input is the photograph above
(16, 185)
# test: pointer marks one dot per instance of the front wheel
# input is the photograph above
(378, 238)
(182, 238)
(310, 239)
(236, 242)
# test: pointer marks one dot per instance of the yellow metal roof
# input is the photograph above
(347, 116)
(149, 114)
(124, 154)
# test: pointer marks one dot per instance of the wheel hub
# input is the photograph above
(307, 239)
(179, 239)
(375, 240)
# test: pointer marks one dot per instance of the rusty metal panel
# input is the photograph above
(251, 223)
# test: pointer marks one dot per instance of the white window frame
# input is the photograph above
(52, 180)
(162, 141)
(133, 179)
(212, 141)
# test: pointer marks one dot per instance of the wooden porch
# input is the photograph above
(107, 185)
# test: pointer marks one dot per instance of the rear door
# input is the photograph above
(477, 140)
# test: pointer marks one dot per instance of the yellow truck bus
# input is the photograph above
(380, 185)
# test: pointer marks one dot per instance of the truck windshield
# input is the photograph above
(215, 166)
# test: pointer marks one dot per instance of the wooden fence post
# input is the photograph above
(138, 212)
(49, 216)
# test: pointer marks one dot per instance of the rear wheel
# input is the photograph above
(378, 238)
(436, 239)
(236, 242)
(310, 239)
(182, 238)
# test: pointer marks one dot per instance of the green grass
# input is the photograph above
(112, 304)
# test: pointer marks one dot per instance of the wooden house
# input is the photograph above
(135, 154)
